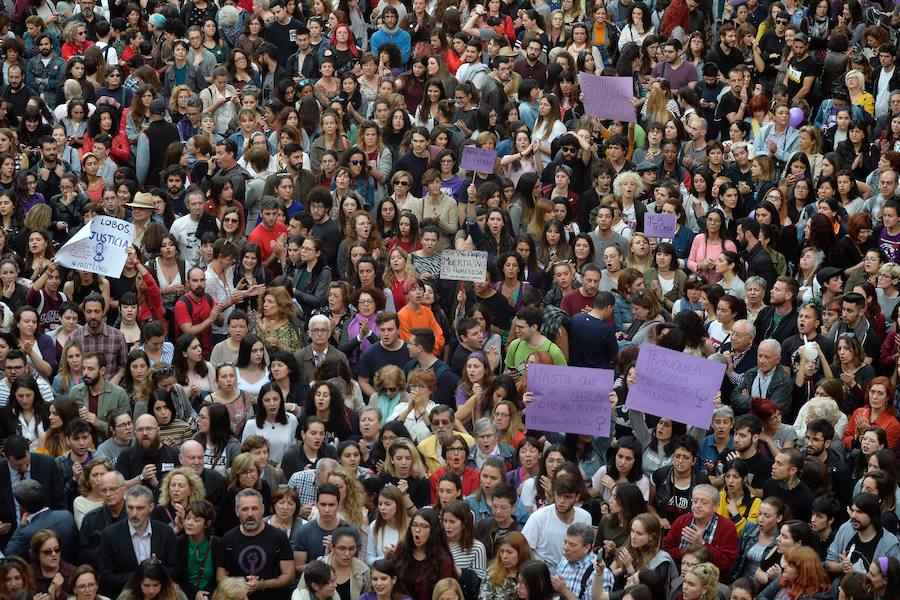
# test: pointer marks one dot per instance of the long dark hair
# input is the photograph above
(180, 360)
(338, 419)
(281, 416)
(41, 410)
(219, 429)
(438, 549)
(535, 575)
(245, 350)
(637, 471)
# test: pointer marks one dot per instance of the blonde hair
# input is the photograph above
(409, 272)
(198, 492)
(708, 574)
(241, 464)
(515, 422)
(418, 468)
(352, 501)
(230, 588)
(448, 583)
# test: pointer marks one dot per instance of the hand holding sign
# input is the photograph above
(659, 225)
(675, 385)
(570, 399)
(478, 159)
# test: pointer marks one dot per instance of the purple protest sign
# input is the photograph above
(659, 225)
(569, 399)
(478, 159)
(675, 385)
(608, 97)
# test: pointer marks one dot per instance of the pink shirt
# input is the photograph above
(700, 250)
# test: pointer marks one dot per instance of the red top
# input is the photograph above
(471, 479)
(152, 306)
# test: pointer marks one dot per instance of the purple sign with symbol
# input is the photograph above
(569, 399)
(608, 97)
(675, 385)
(478, 159)
(659, 225)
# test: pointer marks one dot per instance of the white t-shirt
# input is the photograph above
(643, 483)
(546, 533)
(185, 231)
(279, 435)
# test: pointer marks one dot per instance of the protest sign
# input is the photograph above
(100, 246)
(675, 385)
(464, 265)
(478, 159)
(569, 399)
(659, 225)
(608, 97)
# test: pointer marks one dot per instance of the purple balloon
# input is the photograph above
(796, 117)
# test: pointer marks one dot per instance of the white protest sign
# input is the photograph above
(464, 265)
(101, 247)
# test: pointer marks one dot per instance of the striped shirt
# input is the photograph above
(475, 558)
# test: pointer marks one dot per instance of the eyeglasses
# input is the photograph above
(781, 21)
(401, 184)
(149, 429)
(568, 149)
(390, 391)
(50, 551)
(318, 330)
(231, 220)
(345, 549)
(356, 163)
(456, 449)
(86, 586)
(366, 301)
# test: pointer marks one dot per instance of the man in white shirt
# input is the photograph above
(547, 526)
(885, 79)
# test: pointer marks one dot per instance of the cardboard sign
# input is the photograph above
(570, 399)
(608, 97)
(675, 385)
(659, 225)
(478, 159)
(100, 246)
(464, 265)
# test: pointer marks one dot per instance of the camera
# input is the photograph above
(493, 21)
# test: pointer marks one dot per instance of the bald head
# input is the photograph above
(147, 432)
(192, 456)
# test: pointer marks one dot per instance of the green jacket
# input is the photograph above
(111, 398)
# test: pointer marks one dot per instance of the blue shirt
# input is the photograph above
(483, 510)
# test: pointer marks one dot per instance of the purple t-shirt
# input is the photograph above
(890, 245)
(677, 78)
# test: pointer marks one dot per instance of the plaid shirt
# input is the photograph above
(708, 534)
(305, 483)
(110, 342)
(573, 572)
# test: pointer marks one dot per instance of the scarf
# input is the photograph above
(353, 331)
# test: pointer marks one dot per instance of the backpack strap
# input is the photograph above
(584, 580)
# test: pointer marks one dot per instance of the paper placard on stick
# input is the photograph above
(570, 399)
(675, 385)
(478, 159)
(464, 265)
(608, 97)
(659, 225)
(100, 246)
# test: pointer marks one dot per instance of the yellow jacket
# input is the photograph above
(745, 513)
(429, 450)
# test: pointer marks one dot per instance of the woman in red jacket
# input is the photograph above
(149, 297)
(104, 120)
(878, 411)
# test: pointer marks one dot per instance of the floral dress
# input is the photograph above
(287, 337)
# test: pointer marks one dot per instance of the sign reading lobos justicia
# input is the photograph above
(100, 246)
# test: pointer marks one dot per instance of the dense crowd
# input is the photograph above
(281, 396)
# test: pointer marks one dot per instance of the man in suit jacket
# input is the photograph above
(36, 515)
(320, 329)
(20, 464)
(126, 544)
(740, 355)
(766, 380)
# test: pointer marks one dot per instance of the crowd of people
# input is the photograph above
(281, 396)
